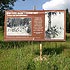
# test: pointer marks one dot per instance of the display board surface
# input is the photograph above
(35, 25)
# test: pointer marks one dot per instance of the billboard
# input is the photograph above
(35, 25)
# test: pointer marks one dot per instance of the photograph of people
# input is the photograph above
(19, 26)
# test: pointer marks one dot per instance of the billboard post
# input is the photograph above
(41, 52)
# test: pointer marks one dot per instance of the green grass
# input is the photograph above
(1, 34)
(25, 55)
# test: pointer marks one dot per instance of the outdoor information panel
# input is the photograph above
(35, 25)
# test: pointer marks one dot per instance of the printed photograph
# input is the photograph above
(54, 25)
(19, 27)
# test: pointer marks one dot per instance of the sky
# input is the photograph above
(28, 4)
(56, 4)
(42, 4)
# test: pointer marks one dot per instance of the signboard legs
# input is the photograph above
(41, 52)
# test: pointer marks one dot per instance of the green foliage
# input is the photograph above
(20, 56)
(25, 55)
(5, 5)
(31, 65)
(67, 22)
(1, 34)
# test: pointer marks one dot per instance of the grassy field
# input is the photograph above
(25, 55)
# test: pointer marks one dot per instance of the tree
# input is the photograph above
(5, 5)
(67, 22)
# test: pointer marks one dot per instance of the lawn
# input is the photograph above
(25, 55)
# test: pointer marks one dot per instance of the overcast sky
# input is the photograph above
(56, 5)
(42, 4)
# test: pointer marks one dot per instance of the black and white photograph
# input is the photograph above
(19, 26)
(54, 25)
